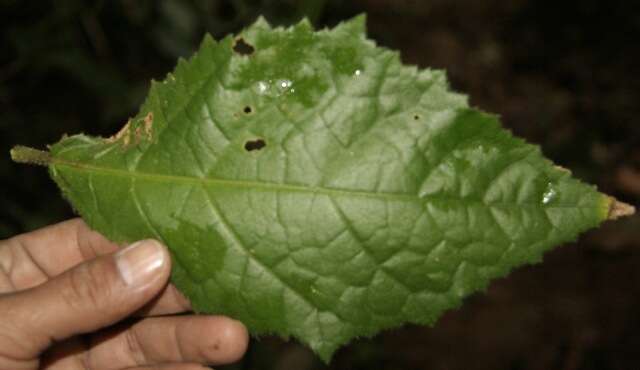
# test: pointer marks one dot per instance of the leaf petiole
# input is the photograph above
(24, 154)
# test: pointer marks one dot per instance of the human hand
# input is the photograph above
(65, 291)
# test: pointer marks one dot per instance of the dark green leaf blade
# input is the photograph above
(315, 187)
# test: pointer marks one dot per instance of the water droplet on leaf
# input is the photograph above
(262, 87)
(284, 85)
(549, 194)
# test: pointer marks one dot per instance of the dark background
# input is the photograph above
(562, 74)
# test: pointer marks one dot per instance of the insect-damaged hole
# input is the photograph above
(242, 47)
(256, 144)
(247, 109)
(416, 117)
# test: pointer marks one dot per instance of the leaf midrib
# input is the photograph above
(267, 186)
(229, 183)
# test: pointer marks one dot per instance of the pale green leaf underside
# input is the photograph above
(378, 199)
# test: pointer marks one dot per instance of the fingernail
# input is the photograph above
(139, 261)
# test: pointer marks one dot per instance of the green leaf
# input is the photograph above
(310, 185)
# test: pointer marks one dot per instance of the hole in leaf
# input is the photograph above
(247, 109)
(416, 117)
(256, 144)
(241, 47)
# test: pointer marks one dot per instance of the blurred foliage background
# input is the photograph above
(561, 74)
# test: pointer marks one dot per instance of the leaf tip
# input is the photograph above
(207, 41)
(305, 23)
(24, 154)
(355, 26)
(326, 355)
(360, 21)
(261, 22)
(618, 209)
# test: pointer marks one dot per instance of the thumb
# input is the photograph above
(88, 297)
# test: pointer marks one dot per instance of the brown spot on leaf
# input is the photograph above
(148, 124)
(138, 135)
(143, 129)
(242, 47)
(256, 144)
(124, 132)
(127, 137)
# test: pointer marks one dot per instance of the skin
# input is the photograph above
(64, 305)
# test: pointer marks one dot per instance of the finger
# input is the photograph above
(76, 243)
(89, 297)
(214, 340)
(67, 355)
(170, 301)
(73, 355)
(171, 367)
(32, 258)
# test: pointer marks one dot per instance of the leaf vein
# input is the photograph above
(231, 235)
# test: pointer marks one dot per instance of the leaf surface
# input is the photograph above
(310, 185)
